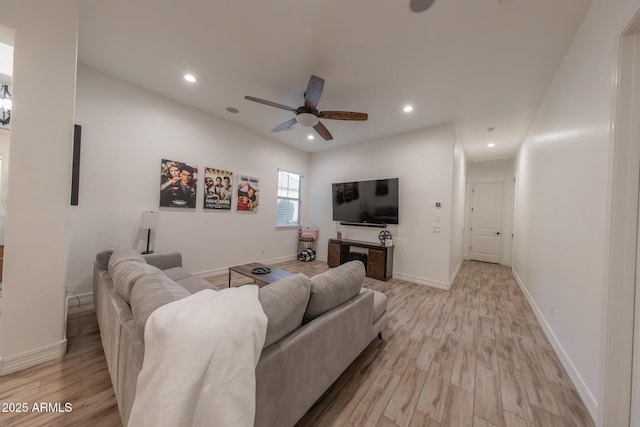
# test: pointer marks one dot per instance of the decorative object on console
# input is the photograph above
(149, 222)
(383, 236)
(218, 189)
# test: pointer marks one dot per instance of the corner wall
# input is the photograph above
(32, 326)
(126, 132)
(457, 210)
(4, 181)
(562, 197)
(424, 163)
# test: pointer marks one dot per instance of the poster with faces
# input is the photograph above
(178, 184)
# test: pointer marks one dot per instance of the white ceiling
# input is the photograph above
(478, 63)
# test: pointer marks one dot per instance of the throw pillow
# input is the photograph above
(150, 292)
(123, 254)
(334, 287)
(284, 303)
(126, 273)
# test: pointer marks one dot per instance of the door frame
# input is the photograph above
(506, 246)
(621, 285)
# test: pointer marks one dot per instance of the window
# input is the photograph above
(288, 206)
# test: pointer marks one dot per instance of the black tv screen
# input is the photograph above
(366, 202)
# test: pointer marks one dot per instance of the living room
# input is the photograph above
(563, 164)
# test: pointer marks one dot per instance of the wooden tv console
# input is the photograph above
(379, 257)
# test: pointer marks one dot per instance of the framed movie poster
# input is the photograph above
(178, 184)
(248, 194)
(218, 189)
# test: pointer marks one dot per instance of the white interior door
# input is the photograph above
(486, 222)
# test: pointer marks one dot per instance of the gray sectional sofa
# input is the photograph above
(316, 327)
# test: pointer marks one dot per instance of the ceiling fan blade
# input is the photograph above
(420, 5)
(314, 92)
(285, 125)
(343, 115)
(271, 104)
(323, 131)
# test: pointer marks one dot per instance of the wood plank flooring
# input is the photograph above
(472, 356)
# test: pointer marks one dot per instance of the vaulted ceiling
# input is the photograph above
(479, 63)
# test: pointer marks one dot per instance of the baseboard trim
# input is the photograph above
(455, 274)
(420, 281)
(76, 300)
(583, 391)
(31, 358)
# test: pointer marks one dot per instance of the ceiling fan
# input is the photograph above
(308, 115)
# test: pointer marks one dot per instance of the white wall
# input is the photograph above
(423, 161)
(486, 172)
(126, 131)
(562, 195)
(457, 209)
(32, 326)
(4, 180)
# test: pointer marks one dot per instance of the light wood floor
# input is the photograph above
(472, 356)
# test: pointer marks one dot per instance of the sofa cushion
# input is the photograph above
(123, 254)
(195, 284)
(126, 273)
(379, 304)
(177, 273)
(164, 260)
(284, 303)
(150, 292)
(334, 287)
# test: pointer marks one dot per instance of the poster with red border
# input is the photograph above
(248, 194)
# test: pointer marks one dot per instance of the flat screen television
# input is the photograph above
(373, 203)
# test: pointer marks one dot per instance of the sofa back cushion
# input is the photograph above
(284, 303)
(126, 273)
(152, 291)
(123, 254)
(334, 287)
(102, 259)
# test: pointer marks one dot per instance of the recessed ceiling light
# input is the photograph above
(491, 144)
(310, 137)
(190, 78)
(407, 109)
(233, 110)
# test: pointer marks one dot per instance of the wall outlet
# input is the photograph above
(436, 228)
(552, 310)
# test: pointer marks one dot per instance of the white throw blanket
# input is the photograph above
(199, 362)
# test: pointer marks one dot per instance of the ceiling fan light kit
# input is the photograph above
(307, 119)
(308, 115)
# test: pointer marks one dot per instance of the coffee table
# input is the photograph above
(262, 279)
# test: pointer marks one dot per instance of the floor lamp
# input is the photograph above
(149, 222)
